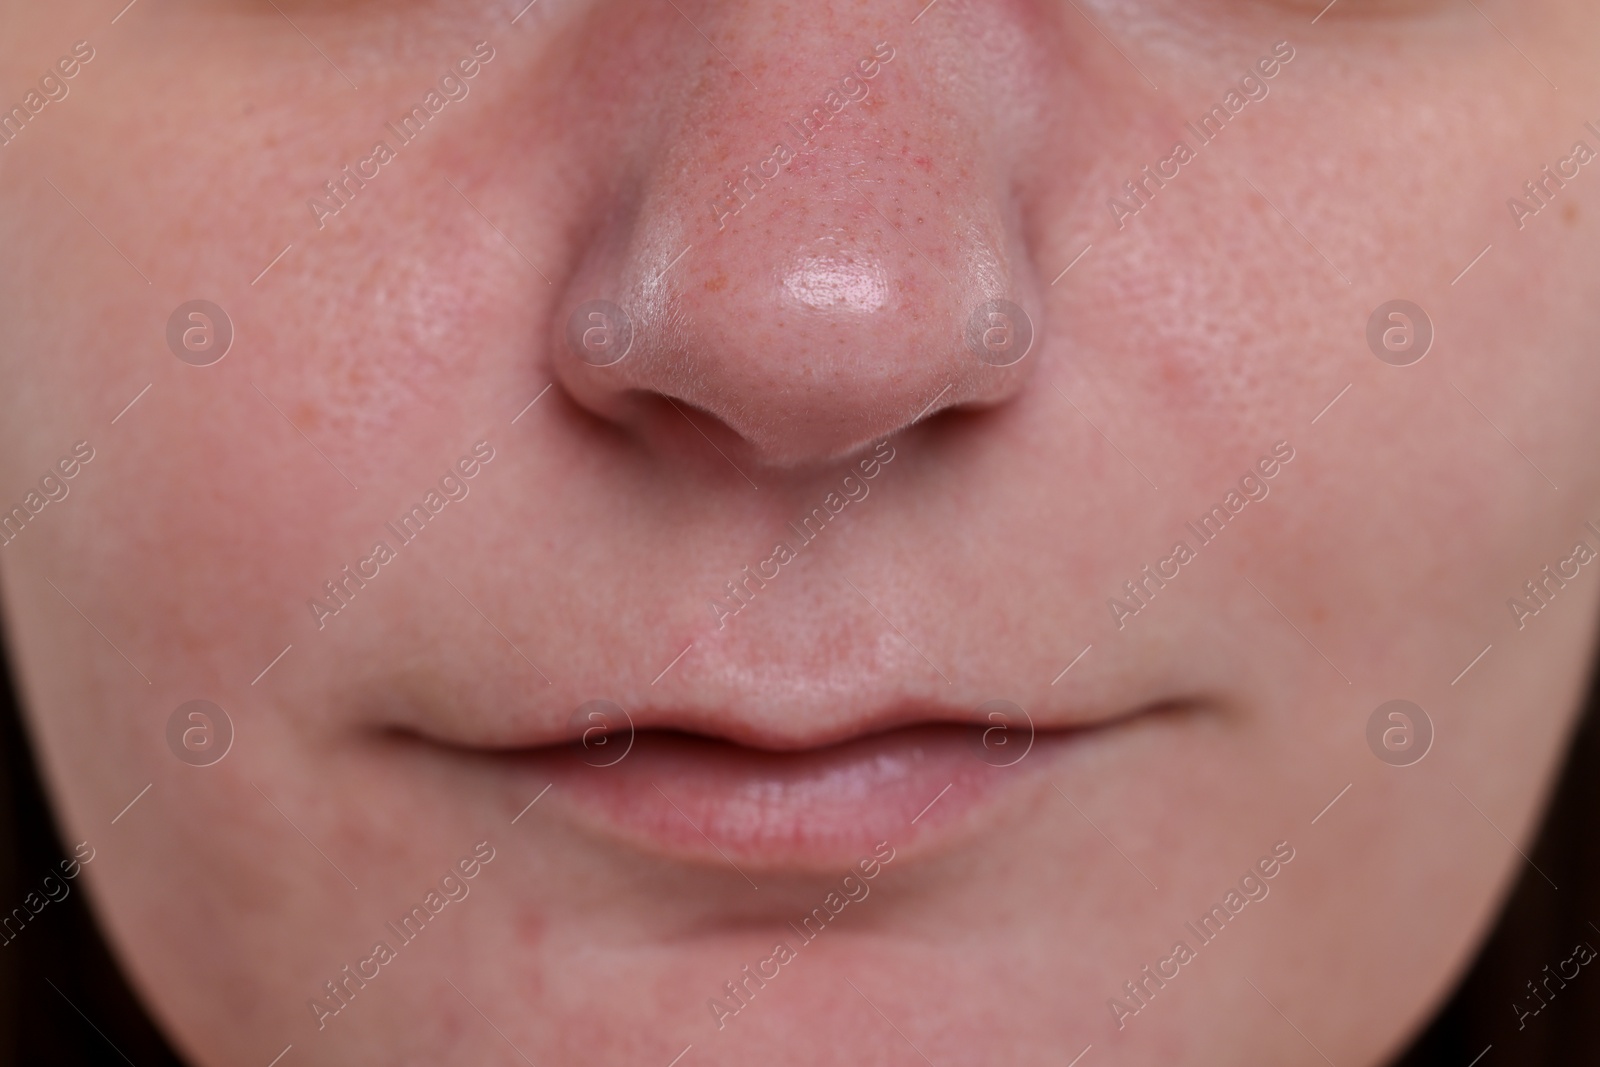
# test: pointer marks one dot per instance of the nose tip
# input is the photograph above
(822, 286)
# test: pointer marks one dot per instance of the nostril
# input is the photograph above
(836, 371)
(670, 419)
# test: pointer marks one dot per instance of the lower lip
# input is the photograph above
(700, 800)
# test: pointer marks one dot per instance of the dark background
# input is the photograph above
(91, 1017)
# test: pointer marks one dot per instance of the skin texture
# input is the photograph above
(820, 319)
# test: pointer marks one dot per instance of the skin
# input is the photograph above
(818, 321)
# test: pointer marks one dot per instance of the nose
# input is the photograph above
(817, 243)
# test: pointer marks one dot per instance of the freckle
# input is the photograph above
(717, 284)
(1569, 214)
(306, 417)
(1319, 614)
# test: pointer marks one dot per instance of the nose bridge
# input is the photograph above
(812, 260)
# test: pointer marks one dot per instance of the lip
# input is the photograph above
(802, 790)
(709, 801)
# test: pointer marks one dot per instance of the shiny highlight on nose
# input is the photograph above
(833, 283)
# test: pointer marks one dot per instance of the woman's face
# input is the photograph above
(693, 416)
